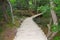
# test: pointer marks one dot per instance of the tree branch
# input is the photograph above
(48, 25)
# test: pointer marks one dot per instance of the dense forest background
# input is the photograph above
(13, 12)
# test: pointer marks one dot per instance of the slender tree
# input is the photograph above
(54, 18)
(11, 11)
(4, 5)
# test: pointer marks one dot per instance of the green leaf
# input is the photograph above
(57, 1)
(57, 8)
(59, 27)
(12, 1)
(43, 8)
(54, 28)
(30, 2)
(57, 38)
(31, 5)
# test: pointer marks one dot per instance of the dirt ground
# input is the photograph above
(8, 34)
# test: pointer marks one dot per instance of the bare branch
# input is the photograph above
(49, 32)
(49, 28)
(53, 34)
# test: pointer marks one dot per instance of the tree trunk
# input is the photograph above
(54, 17)
(11, 11)
(4, 10)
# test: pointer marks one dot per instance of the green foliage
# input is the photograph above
(22, 4)
(54, 28)
(43, 8)
(30, 2)
(59, 27)
(1, 29)
(57, 8)
(31, 5)
(56, 1)
(57, 38)
(12, 1)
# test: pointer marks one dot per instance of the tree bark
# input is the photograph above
(11, 11)
(4, 10)
(54, 17)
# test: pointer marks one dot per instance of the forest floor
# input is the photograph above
(8, 34)
(9, 31)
